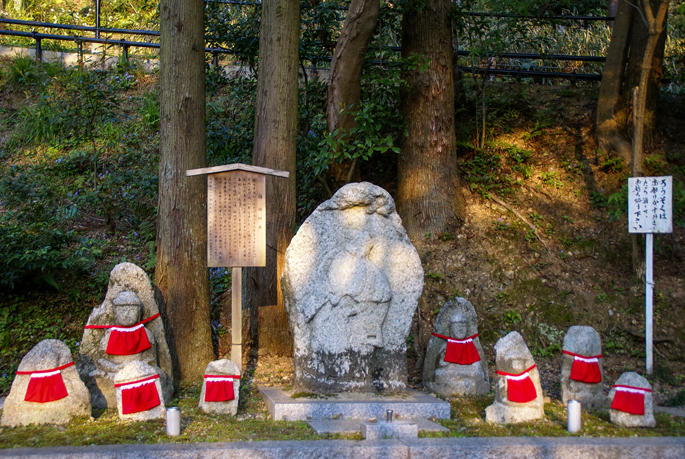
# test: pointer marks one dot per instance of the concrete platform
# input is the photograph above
(412, 406)
(351, 426)
(421, 448)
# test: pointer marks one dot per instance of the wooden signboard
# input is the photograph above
(236, 229)
(236, 219)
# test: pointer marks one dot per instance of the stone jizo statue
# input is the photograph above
(518, 394)
(47, 388)
(125, 328)
(455, 362)
(581, 367)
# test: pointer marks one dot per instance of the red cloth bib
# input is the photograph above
(520, 387)
(219, 388)
(585, 369)
(127, 340)
(629, 399)
(139, 395)
(46, 385)
(460, 351)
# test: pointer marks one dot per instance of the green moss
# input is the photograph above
(556, 314)
(468, 415)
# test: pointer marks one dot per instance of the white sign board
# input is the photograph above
(650, 204)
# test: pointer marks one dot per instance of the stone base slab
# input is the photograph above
(384, 430)
(414, 405)
(420, 448)
(351, 426)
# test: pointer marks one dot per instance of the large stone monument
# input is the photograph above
(581, 367)
(126, 327)
(220, 388)
(351, 284)
(631, 401)
(47, 388)
(518, 394)
(455, 362)
(139, 392)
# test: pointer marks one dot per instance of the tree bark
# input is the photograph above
(608, 134)
(344, 83)
(275, 148)
(429, 198)
(639, 43)
(181, 275)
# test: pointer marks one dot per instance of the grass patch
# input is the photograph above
(468, 415)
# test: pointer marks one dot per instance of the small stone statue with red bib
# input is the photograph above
(581, 367)
(518, 394)
(455, 362)
(125, 328)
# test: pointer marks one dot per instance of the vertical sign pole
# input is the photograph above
(237, 317)
(649, 288)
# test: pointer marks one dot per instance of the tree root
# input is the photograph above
(521, 217)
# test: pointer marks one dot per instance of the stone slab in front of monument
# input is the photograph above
(410, 405)
(384, 430)
(351, 426)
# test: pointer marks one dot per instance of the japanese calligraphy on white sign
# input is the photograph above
(650, 204)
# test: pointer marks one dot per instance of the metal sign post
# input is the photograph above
(236, 229)
(650, 210)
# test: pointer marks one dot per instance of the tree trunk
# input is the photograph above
(344, 83)
(275, 148)
(608, 135)
(181, 275)
(639, 44)
(612, 9)
(429, 196)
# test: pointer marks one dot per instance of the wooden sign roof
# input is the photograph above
(237, 167)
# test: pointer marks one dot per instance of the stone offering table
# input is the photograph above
(411, 405)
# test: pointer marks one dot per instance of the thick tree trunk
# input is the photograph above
(639, 44)
(181, 274)
(608, 134)
(275, 148)
(344, 83)
(429, 196)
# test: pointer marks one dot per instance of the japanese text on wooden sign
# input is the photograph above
(650, 204)
(236, 219)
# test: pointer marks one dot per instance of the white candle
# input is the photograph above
(173, 421)
(573, 413)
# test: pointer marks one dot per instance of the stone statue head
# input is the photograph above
(459, 325)
(127, 309)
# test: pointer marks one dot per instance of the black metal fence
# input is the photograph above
(125, 44)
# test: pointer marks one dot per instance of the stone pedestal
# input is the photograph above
(413, 404)
(384, 430)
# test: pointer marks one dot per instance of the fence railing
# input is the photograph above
(125, 44)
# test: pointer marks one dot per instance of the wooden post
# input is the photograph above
(649, 289)
(237, 317)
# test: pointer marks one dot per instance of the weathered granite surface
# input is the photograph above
(412, 404)
(384, 430)
(582, 340)
(457, 319)
(47, 354)
(418, 448)
(513, 356)
(129, 299)
(221, 367)
(351, 284)
(135, 371)
(630, 378)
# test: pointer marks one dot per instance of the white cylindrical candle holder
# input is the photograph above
(388, 415)
(173, 421)
(573, 415)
